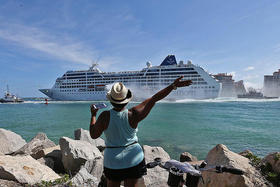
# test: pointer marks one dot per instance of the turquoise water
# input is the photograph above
(193, 126)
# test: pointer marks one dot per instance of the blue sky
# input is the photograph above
(41, 40)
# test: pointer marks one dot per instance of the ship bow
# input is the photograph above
(47, 92)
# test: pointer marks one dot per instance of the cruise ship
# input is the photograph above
(93, 84)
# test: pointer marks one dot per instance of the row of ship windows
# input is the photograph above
(129, 78)
(102, 89)
(79, 92)
(145, 78)
(146, 83)
(178, 92)
(133, 75)
(136, 80)
(150, 70)
(176, 69)
(149, 80)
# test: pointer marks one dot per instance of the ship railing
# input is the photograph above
(127, 72)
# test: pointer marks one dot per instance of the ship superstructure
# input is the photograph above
(93, 84)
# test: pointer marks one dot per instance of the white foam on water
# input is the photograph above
(227, 99)
(60, 102)
(216, 100)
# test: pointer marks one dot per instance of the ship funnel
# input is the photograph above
(169, 60)
(189, 62)
(149, 64)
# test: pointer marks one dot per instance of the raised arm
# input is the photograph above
(139, 112)
(96, 127)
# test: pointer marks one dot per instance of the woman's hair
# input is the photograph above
(118, 106)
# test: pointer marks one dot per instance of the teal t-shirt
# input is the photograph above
(120, 133)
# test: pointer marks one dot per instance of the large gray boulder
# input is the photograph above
(76, 152)
(221, 155)
(89, 174)
(25, 170)
(95, 167)
(10, 141)
(156, 176)
(33, 148)
(85, 179)
(81, 134)
(274, 160)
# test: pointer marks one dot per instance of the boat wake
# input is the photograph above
(61, 102)
(227, 99)
(216, 100)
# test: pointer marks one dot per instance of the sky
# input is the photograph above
(41, 40)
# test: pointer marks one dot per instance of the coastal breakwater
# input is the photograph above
(79, 162)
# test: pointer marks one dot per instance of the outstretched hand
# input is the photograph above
(180, 83)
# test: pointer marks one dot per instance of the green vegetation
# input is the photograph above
(255, 161)
(277, 157)
(266, 169)
(63, 181)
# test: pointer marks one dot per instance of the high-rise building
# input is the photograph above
(271, 86)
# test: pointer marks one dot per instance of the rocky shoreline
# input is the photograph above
(79, 162)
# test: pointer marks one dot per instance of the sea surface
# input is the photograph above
(187, 125)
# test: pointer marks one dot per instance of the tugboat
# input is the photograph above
(253, 94)
(9, 98)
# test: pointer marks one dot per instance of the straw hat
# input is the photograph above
(119, 94)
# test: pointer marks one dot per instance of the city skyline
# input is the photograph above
(40, 41)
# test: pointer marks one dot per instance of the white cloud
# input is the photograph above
(56, 46)
(250, 68)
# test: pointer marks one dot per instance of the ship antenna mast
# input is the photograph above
(93, 65)
(94, 68)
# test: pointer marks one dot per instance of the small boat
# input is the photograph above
(10, 98)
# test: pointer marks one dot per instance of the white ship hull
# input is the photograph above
(92, 85)
(138, 94)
